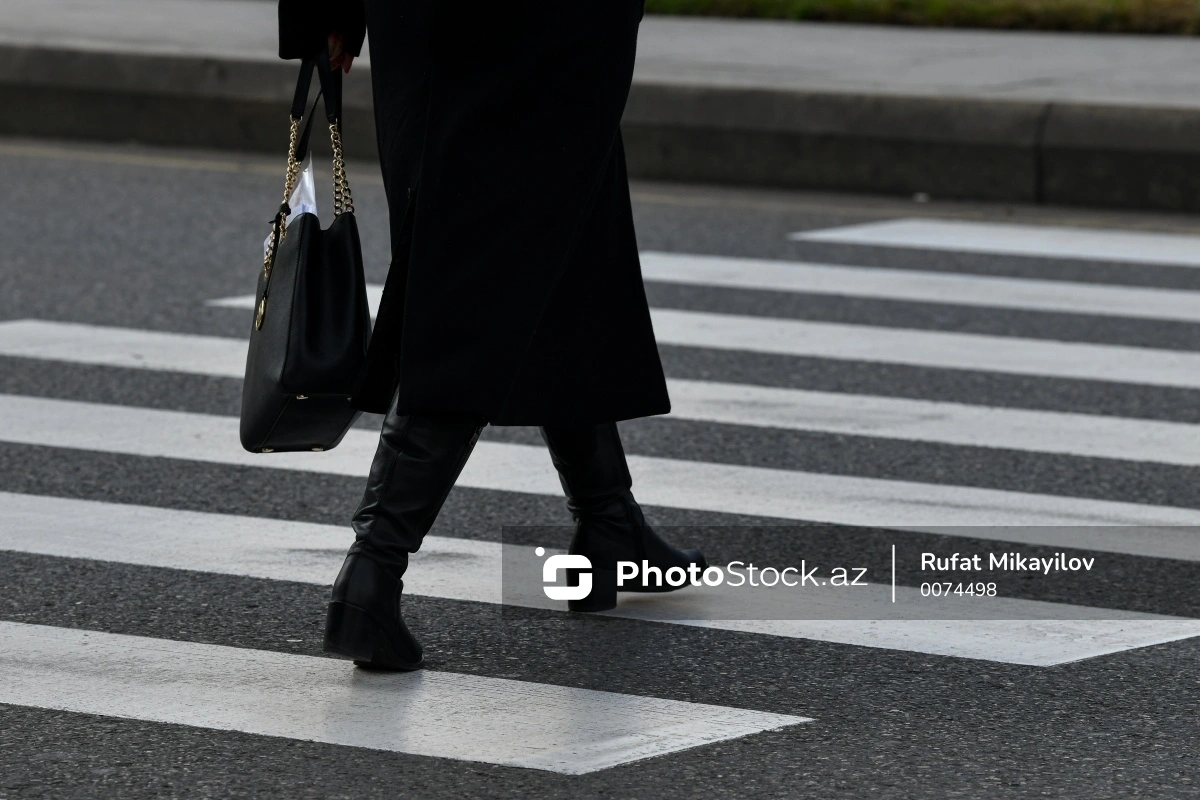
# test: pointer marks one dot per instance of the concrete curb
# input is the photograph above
(948, 147)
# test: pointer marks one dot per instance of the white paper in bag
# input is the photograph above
(303, 199)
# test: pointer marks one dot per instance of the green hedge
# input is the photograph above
(1129, 16)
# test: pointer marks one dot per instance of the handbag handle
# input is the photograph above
(331, 90)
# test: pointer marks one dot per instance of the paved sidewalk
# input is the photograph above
(1068, 118)
(1000, 65)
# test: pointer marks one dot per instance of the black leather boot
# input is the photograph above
(609, 525)
(418, 460)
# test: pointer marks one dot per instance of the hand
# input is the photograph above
(337, 58)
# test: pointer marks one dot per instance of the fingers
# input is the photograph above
(338, 59)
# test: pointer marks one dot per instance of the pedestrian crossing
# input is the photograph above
(984, 291)
(1037, 241)
(780, 494)
(562, 728)
(1007, 630)
(1086, 435)
(439, 714)
(1009, 355)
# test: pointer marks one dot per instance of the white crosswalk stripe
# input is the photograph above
(900, 418)
(569, 730)
(1010, 355)
(440, 714)
(706, 401)
(784, 494)
(1004, 630)
(1042, 241)
(983, 291)
(961, 351)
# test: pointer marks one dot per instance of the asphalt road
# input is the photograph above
(143, 239)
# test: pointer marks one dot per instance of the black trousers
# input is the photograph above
(420, 456)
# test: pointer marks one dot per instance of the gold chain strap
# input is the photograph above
(293, 166)
(279, 226)
(289, 185)
(343, 201)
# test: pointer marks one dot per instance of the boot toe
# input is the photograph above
(694, 556)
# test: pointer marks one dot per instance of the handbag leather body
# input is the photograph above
(312, 324)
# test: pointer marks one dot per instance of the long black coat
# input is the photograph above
(515, 290)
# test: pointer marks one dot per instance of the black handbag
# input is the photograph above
(312, 324)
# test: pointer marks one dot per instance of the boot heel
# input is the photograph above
(350, 632)
(603, 596)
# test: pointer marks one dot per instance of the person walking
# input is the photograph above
(514, 294)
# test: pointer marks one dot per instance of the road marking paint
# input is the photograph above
(107, 346)
(723, 488)
(1003, 630)
(904, 419)
(438, 714)
(735, 404)
(922, 287)
(1040, 241)
(1010, 355)
(983, 291)
(935, 349)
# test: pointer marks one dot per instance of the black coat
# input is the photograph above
(515, 290)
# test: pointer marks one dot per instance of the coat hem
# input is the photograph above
(538, 420)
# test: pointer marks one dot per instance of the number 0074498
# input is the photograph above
(950, 589)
